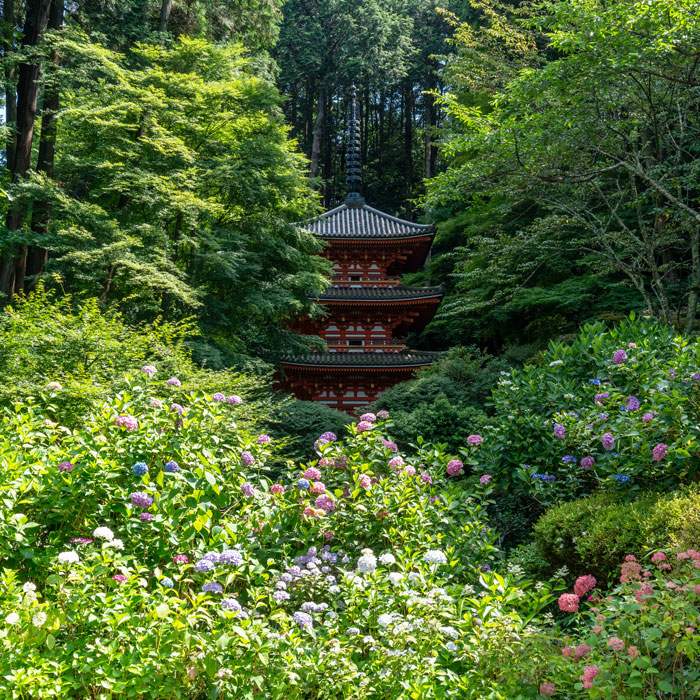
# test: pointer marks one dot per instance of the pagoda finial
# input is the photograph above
(353, 159)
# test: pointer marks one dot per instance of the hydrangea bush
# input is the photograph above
(616, 409)
(152, 554)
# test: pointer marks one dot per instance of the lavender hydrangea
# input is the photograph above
(204, 565)
(247, 458)
(174, 381)
(212, 587)
(218, 397)
(141, 500)
(231, 556)
(632, 403)
(172, 467)
(148, 370)
(325, 438)
(231, 604)
(280, 596)
(619, 357)
(248, 490)
(303, 620)
(560, 431)
(234, 400)
(608, 441)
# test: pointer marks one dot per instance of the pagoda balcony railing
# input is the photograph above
(364, 283)
(383, 346)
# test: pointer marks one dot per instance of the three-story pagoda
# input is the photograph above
(368, 312)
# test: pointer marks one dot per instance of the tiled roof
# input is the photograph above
(363, 222)
(379, 294)
(407, 358)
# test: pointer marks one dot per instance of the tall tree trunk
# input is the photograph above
(165, 7)
(694, 280)
(41, 215)
(318, 132)
(430, 150)
(8, 18)
(408, 139)
(27, 96)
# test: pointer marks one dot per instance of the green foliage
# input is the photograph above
(594, 534)
(445, 403)
(88, 351)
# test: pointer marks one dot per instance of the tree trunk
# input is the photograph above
(318, 132)
(8, 18)
(165, 7)
(27, 96)
(694, 280)
(430, 150)
(41, 215)
(408, 139)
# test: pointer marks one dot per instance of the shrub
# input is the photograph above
(616, 410)
(594, 534)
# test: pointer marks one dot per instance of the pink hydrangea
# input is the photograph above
(126, 422)
(425, 477)
(584, 584)
(409, 470)
(396, 462)
(312, 473)
(597, 629)
(65, 467)
(325, 502)
(247, 459)
(587, 462)
(608, 441)
(616, 644)
(590, 672)
(454, 467)
(181, 559)
(368, 417)
(310, 512)
(659, 452)
(632, 345)
(148, 370)
(363, 426)
(657, 557)
(484, 479)
(119, 578)
(568, 602)
(648, 417)
(277, 488)
(633, 652)
(318, 487)
(474, 440)
(390, 445)
(234, 400)
(619, 357)
(264, 439)
(581, 651)
(547, 688)
(567, 652)
(630, 571)
(383, 414)
(364, 481)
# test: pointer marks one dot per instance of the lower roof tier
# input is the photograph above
(407, 359)
(379, 295)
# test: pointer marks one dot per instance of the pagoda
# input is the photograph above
(368, 312)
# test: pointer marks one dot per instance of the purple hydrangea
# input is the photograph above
(148, 370)
(474, 440)
(325, 438)
(632, 403)
(231, 604)
(204, 565)
(659, 452)
(231, 556)
(247, 459)
(140, 469)
(212, 587)
(212, 557)
(363, 426)
(146, 517)
(141, 500)
(264, 439)
(619, 357)
(234, 400)
(560, 431)
(172, 467)
(588, 462)
(608, 441)
(390, 445)
(600, 398)
(648, 417)
(303, 620)
(248, 490)
(65, 467)
(484, 480)
(218, 396)
(368, 417)
(177, 407)
(127, 422)
(174, 381)
(279, 596)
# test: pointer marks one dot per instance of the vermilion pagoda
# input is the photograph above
(369, 313)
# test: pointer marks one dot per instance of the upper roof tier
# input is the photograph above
(363, 221)
(381, 294)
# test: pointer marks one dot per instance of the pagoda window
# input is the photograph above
(356, 278)
(356, 343)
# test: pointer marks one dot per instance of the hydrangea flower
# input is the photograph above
(588, 462)
(69, 557)
(385, 620)
(247, 459)
(156, 403)
(474, 440)
(364, 481)
(12, 619)
(148, 370)
(608, 441)
(590, 672)
(231, 604)
(140, 469)
(103, 533)
(385, 414)
(324, 439)
(172, 467)
(248, 490)
(127, 422)
(560, 431)
(119, 578)
(181, 559)
(659, 452)
(600, 398)
(408, 470)
(387, 559)
(231, 556)
(178, 408)
(303, 620)
(368, 417)
(425, 477)
(648, 417)
(234, 400)
(396, 462)
(212, 587)
(279, 596)
(390, 445)
(435, 556)
(167, 582)
(568, 602)
(141, 500)
(584, 584)
(454, 467)
(80, 540)
(54, 386)
(318, 487)
(484, 479)
(146, 517)
(325, 502)
(547, 688)
(616, 644)
(204, 565)
(65, 467)
(303, 484)
(622, 478)
(619, 357)
(277, 489)
(264, 440)
(218, 397)
(367, 563)
(39, 619)
(632, 403)
(174, 381)
(363, 426)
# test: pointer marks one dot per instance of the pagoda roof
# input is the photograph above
(362, 221)
(353, 360)
(381, 294)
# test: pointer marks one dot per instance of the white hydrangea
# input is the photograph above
(384, 620)
(12, 618)
(468, 590)
(103, 533)
(367, 563)
(39, 619)
(387, 558)
(116, 544)
(451, 646)
(414, 577)
(29, 587)
(435, 556)
(395, 577)
(556, 362)
(69, 557)
(449, 631)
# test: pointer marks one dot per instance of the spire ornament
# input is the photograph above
(353, 158)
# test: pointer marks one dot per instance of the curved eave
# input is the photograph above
(365, 363)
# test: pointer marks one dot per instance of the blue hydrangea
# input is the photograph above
(204, 565)
(172, 467)
(213, 557)
(140, 469)
(595, 382)
(231, 604)
(212, 587)
(303, 484)
(167, 582)
(549, 478)
(303, 620)
(622, 478)
(231, 556)
(568, 458)
(279, 596)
